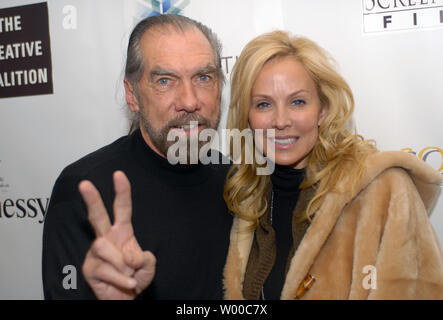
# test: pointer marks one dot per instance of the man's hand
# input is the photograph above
(115, 266)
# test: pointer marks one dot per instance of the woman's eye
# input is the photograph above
(298, 102)
(262, 105)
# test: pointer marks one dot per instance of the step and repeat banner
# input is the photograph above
(61, 92)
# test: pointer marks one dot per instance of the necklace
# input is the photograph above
(272, 205)
(271, 210)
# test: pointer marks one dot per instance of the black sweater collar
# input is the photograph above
(286, 179)
(180, 174)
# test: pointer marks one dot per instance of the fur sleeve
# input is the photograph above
(394, 234)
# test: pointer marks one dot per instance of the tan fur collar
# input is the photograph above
(425, 178)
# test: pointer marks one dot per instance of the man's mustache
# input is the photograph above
(186, 119)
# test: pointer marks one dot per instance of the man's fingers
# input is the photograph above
(111, 276)
(146, 273)
(103, 249)
(138, 259)
(123, 201)
(97, 215)
(143, 263)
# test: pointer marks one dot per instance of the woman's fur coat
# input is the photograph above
(386, 226)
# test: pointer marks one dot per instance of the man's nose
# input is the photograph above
(187, 99)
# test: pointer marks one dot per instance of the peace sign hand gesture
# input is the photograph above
(115, 267)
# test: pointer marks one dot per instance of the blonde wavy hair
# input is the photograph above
(338, 152)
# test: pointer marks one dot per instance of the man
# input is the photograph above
(164, 234)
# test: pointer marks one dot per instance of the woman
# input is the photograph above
(337, 219)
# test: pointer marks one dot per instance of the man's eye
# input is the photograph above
(163, 81)
(204, 79)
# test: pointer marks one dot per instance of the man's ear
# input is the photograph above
(323, 114)
(131, 98)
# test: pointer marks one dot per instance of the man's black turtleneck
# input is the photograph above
(178, 214)
(285, 189)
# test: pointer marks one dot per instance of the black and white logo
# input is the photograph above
(25, 51)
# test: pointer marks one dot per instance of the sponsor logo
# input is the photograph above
(432, 155)
(156, 7)
(21, 208)
(392, 15)
(3, 185)
(227, 63)
(25, 51)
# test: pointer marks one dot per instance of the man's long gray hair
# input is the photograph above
(134, 60)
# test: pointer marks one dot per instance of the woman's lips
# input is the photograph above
(284, 142)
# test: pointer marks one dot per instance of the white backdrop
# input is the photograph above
(395, 73)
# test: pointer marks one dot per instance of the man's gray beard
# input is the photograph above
(159, 137)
